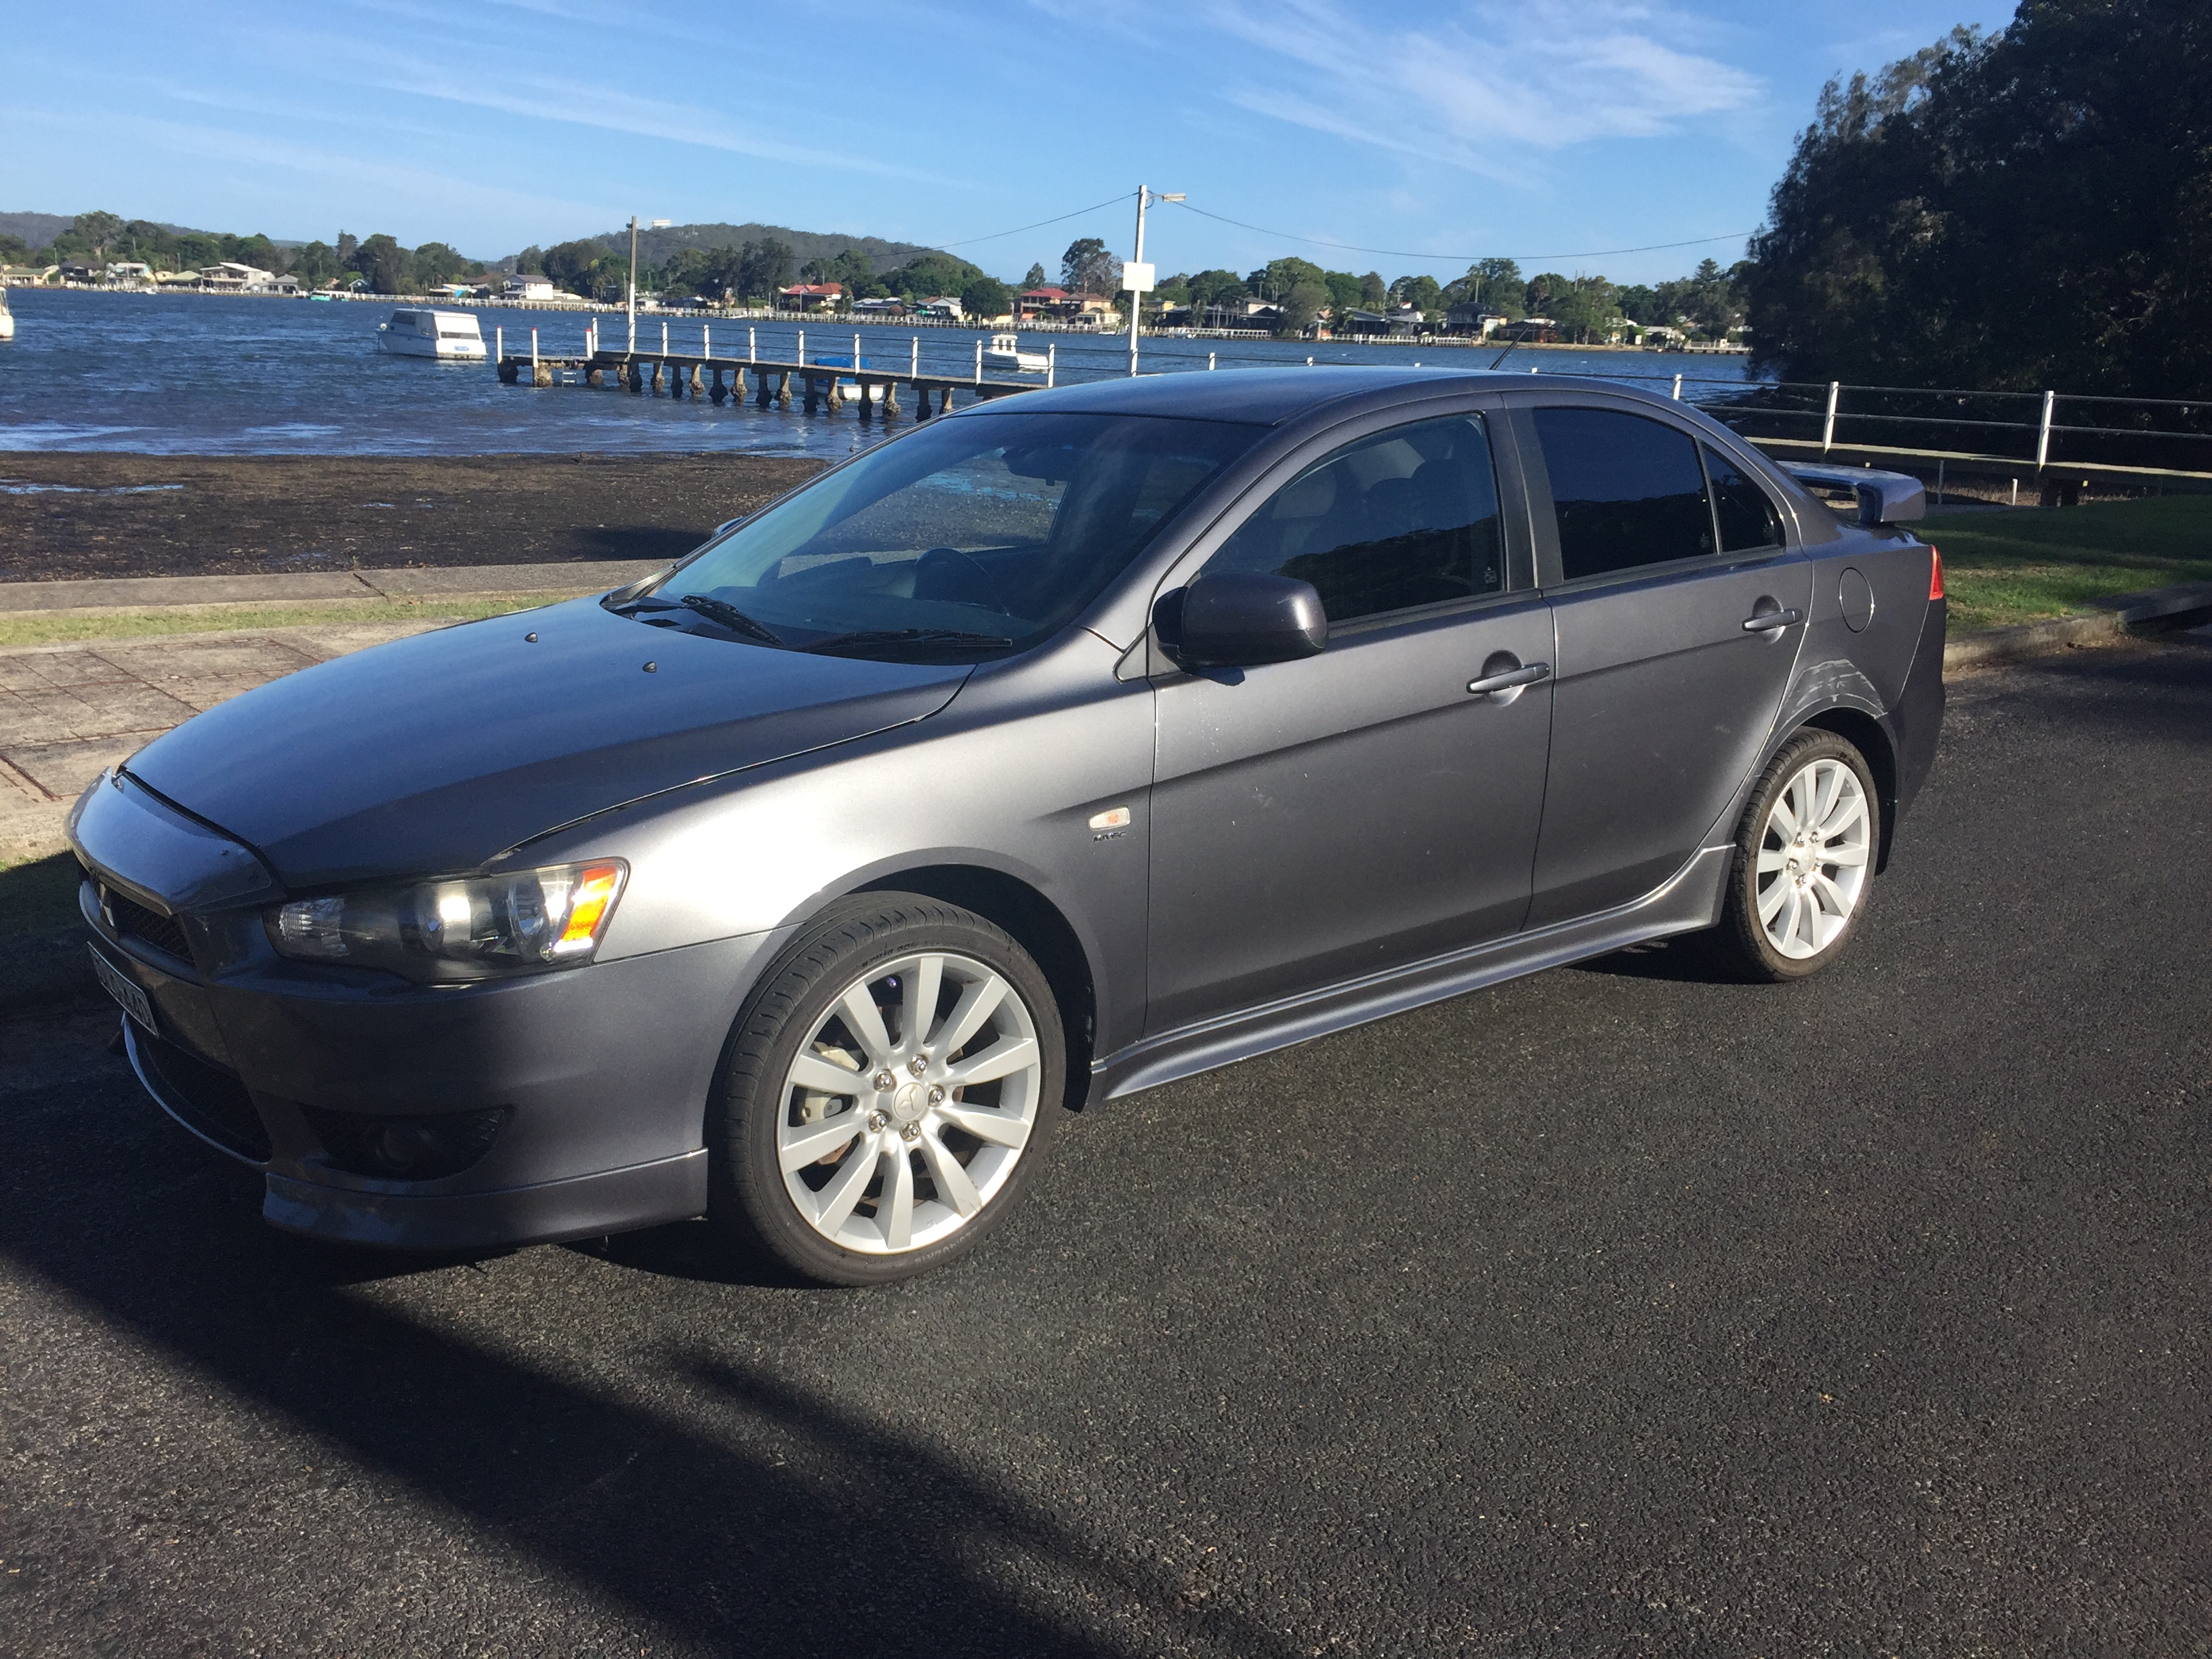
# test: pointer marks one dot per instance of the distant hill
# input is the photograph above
(654, 247)
(37, 230)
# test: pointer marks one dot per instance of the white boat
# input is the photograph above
(7, 317)
(448, 334)
(1006, 351)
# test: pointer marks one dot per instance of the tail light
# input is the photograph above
(1934, 574)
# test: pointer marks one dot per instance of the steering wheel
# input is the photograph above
(950, 576)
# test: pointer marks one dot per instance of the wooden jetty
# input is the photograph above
(676, 371)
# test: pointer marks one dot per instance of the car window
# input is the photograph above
(978, 534)
(1747, 515)
(1627, 491)
(1403, 518)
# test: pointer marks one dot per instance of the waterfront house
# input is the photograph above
(229, 277)
(27, 276)
(810, 297)
(527, 286)
(128, 271)
(945, 308)
(884, 310)
(1473, 319)
(1058, 305)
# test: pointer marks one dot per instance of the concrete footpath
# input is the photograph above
(69, 711)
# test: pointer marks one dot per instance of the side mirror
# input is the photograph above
(1240, 619)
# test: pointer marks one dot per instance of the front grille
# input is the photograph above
(207, 1098)
(133, 920)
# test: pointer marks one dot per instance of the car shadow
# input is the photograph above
(738, 1509)
(1685, 959)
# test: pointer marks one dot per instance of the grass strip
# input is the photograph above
(41, 628)
(2001, 569)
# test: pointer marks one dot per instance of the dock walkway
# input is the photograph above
(828, 381)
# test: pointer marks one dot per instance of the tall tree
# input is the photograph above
(1088, 268)
(2027, 209)
(384, 262)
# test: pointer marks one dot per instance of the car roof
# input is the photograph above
(1269, 397)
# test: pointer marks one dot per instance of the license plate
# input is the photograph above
(133, 997)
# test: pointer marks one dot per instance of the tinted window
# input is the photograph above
(1747, 518)
(1405, 517)
(1627, 491)
(999, 526)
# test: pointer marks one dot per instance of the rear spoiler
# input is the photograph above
(1884, 497)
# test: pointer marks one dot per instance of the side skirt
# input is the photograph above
(1690, 899)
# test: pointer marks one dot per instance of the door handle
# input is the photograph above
(1511, 678)
(1767, 622)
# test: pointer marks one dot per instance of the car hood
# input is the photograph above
(438, 752)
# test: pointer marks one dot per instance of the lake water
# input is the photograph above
(203, 375)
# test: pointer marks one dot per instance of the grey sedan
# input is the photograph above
(1054, 750)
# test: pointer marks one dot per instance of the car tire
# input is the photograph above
(849, 1148)
(1797, 889)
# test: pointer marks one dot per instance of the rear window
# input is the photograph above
(1626, 491)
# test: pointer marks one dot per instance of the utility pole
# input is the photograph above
(1137, 276)
(657, 224)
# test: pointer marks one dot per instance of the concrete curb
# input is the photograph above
(2044, 639)
(2157, 610)
(321, 586)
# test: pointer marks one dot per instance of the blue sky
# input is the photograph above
(1552, 130)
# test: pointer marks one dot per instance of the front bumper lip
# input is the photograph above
(582, 1207)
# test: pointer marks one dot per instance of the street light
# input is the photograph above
(658, 224)
(1137, 276)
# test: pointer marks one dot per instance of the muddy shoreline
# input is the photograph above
(73, 515)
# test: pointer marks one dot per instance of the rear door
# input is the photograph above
(1680, 610)
(1318, 820)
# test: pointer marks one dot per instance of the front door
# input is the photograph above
(1319, 820)
(1679, 612)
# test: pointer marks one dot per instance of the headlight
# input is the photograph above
(458, 929)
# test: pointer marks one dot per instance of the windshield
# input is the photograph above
(966, 538)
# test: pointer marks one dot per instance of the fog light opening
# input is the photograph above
(427, 1147)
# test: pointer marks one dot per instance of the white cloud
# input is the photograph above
(1481, 90)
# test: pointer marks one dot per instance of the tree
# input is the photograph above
(1299, 308)
(314, 265)
(197, 248)
(763, 267)
(1036, 278)
(568, 265)
(94, 231)
(1088, 268)
(1640, 303)
(928, 275)
(1343, 290)
(1216, 289)
(1422, 293)
(531, 262)
(1374, 292)
(986, 296)
(384, 262)
(347, 250)
(2025, 211)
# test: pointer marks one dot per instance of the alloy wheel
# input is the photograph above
(905, 1109)
(1813, 857)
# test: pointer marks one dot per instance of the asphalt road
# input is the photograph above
(1614, 1311)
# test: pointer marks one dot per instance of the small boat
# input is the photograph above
(7, 317)
(453, 335)
(1006, 351)
(847, 388)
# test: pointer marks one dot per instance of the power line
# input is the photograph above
(1405, 253)
(971, 240)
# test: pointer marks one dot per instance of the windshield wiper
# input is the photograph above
(722, 612)
(949, 637)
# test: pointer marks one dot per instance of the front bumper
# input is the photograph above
(599, 1075)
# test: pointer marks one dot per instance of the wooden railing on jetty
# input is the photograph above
(679, 372)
